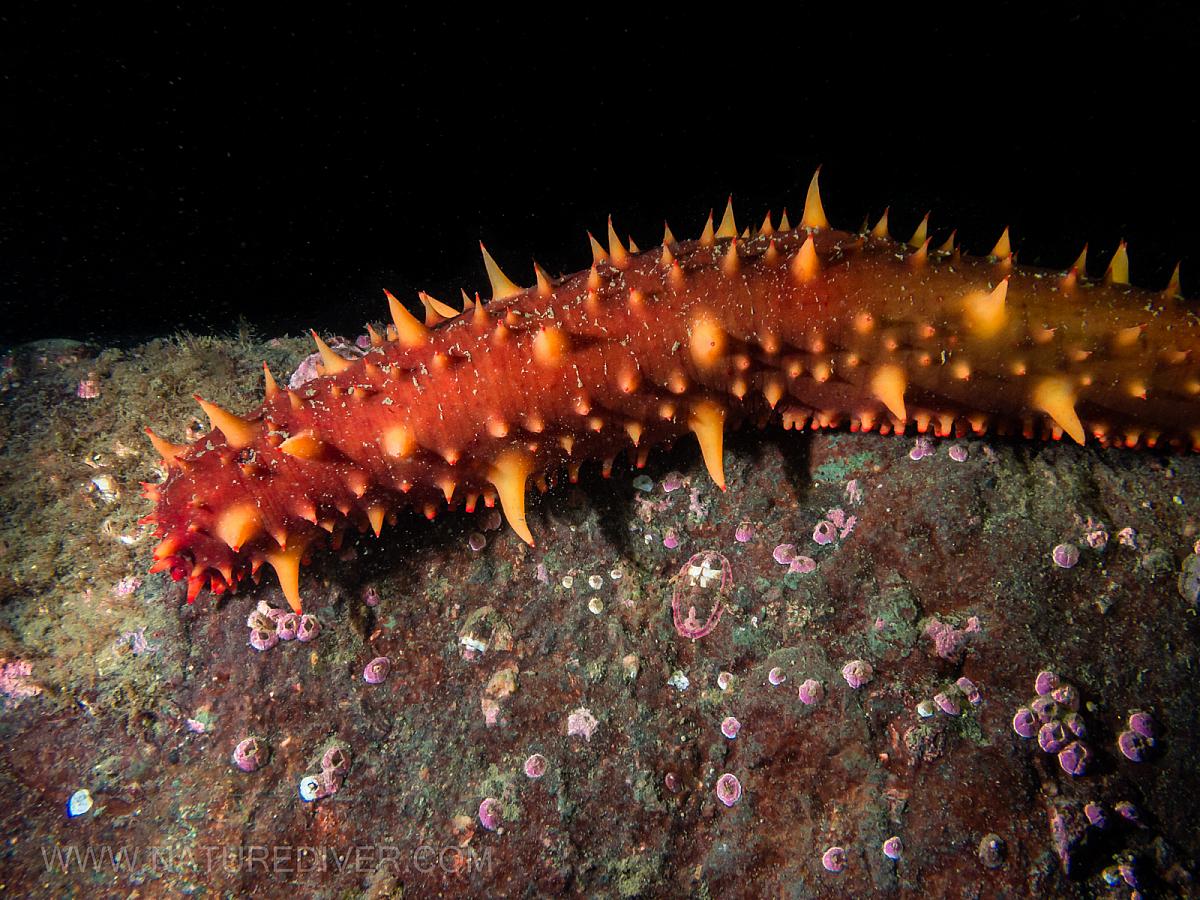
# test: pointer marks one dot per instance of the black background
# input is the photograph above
(168, 167)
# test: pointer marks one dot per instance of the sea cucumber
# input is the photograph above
(813, 325)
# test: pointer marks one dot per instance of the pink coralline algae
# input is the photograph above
(703, 582)
(1053, 715)
(785, 555)
(581, 723)
(730, 727)
(1134, 747)
(824, 533)
(969, 690)
(1025, 723)
(857, 673)
(949, 643)
(836, 525)
(1143, 723)
(958, 453)
(308, 629)
(729, 789)
(250, 754)
(776, 676)
(922, 448)
(335, 763)
(1074, 758)
(377, 670)
(811, 692)
(88, 389)
(490, 816)
(834, 859)
(1065, 556)
(893, 848)
(14, 684)
(744, 532)
(371, 596)
(1095, 815)
(261, 639)
(1052, 737)
(1045, 682)
(535, 766)
(287, 625)
(948, 703)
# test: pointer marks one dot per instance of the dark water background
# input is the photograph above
(166, 167)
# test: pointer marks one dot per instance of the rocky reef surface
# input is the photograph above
(875, 666)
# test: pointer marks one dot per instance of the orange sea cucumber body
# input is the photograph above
(819, 326)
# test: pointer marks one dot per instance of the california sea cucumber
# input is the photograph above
(812, 324)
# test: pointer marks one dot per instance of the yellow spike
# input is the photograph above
(375, 515)
(771, 257)
(376, 338)
(1055, 396)
(467, 304)
(550, 347)
(888, 384)
(617, 253)
(773, 391)
(509, 474)
(948, 246)
(922, 255)
(707, 341)
(168, 451)
(447, 485)
(594, 282)
(730, 263)
(1128, 337)
(707, 422)
(436, 311)
(1118, 269)
(442, 309)
(668, 238)
(814, 213)
(397, 442)
(881, 227)
(767, 228)
(667, 257)
(294, 399)
(286, 563)
(480, 319)
(598, 253)
(708, 235)
(633, 247)
(502, 288)
(304, 445)
(634, 430)
(986, 312)
(238, 524)
(784, 224)
(1003, 248)
(270, 388)
(746, 233)
(805, 266)
(409, 331)
(545, 287)
(1080, 265)
(238, 432)
(728, 227)
(330, 361)
(1174, 288)
(567, 442)
(432, 316)
(920, 234)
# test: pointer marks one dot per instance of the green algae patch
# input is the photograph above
(838, 470)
